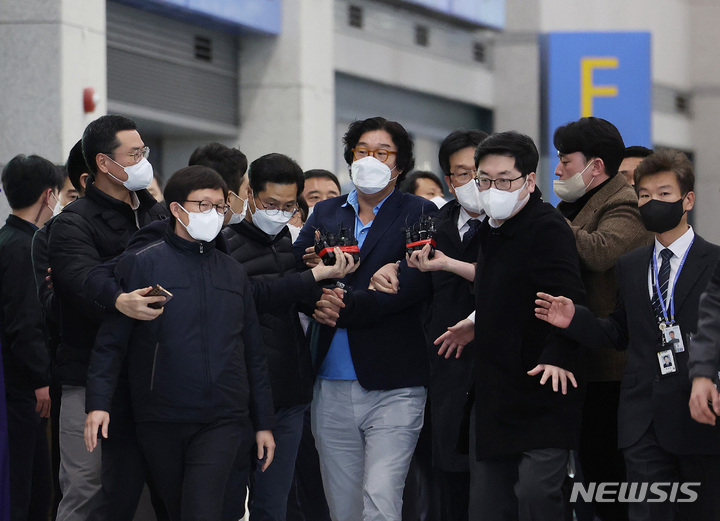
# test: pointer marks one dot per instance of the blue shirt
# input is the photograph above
(338, 364)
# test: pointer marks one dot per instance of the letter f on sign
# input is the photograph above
(589, 91)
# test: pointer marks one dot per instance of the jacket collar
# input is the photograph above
(21, 224)
(519, 220)
(252, 232)
(187, 247)
(611, 187)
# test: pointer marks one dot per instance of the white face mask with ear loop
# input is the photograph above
(58, 207)
(570, 190)
(236, 218)
(140, 175)
(501, 204)
(468, 195)
(203, 226)
(370, 175)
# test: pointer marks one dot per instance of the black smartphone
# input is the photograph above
(159, 291)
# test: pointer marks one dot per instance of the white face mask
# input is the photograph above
(139, 175)
(439, 201)
(235, 218)
(501, 205)
(468, 195)
(370, 175)
(271, 224)
(203, 226)
(570, 190)
(310, 211)
(58, 207)
(294, 231)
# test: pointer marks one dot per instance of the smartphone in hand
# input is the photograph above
(159, 291)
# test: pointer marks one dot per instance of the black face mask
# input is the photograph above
(660, 216)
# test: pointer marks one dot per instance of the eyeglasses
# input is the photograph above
(273, 209)
(463, 177)
(207, 206)
(501, 184)
(380, 154)
(138, 155)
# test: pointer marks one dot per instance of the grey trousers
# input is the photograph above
(365, 440)
(80, 470)
(525, 486)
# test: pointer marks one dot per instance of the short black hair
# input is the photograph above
(189, 179)
(637, 151)
(405, 158)
(510, 144)
(323, 174)
(230, 163)
(100, 137)
(455, 141)
(668, 161)
(411, 182)
(76, 166)
(25, 178)
(593, 137)
(275, 168)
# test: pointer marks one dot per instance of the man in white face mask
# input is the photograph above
(452, 265)
(520, 428)
(602, 210)
(86, 233)
(371, 344)
(261, 242)
(203, 360)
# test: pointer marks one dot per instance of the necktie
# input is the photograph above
(473, 224)
(663, 281)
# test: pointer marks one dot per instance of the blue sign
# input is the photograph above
(483, 12)
(606, 75)
(253, 15)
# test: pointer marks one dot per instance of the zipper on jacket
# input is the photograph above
(152, 374)
(206, 355)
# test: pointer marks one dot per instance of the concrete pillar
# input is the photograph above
(287, 97)
(706, 114)
(50, 50)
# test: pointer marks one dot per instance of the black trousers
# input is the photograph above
(600, 459)
(647, 462)
(525, 486)
(30, 472)
(124, 470)
(190, 463)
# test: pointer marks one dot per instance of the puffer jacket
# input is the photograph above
(268, 260)
(202, 359)
(88, 232)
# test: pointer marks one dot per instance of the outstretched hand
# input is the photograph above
(558, 375)
(557, 311)
(456, 338)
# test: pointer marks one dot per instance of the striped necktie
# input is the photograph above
(663, 281)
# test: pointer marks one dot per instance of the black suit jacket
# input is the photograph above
(453, 300)
(533, 251)
(385, 332)
(645, 396)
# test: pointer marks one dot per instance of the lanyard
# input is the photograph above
(671, 295)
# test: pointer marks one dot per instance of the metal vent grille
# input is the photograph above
(479, 52)
(422, 35)
(355, 16)
(165, 65)
(203, 48)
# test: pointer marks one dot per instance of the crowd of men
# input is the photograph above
(216, 344)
